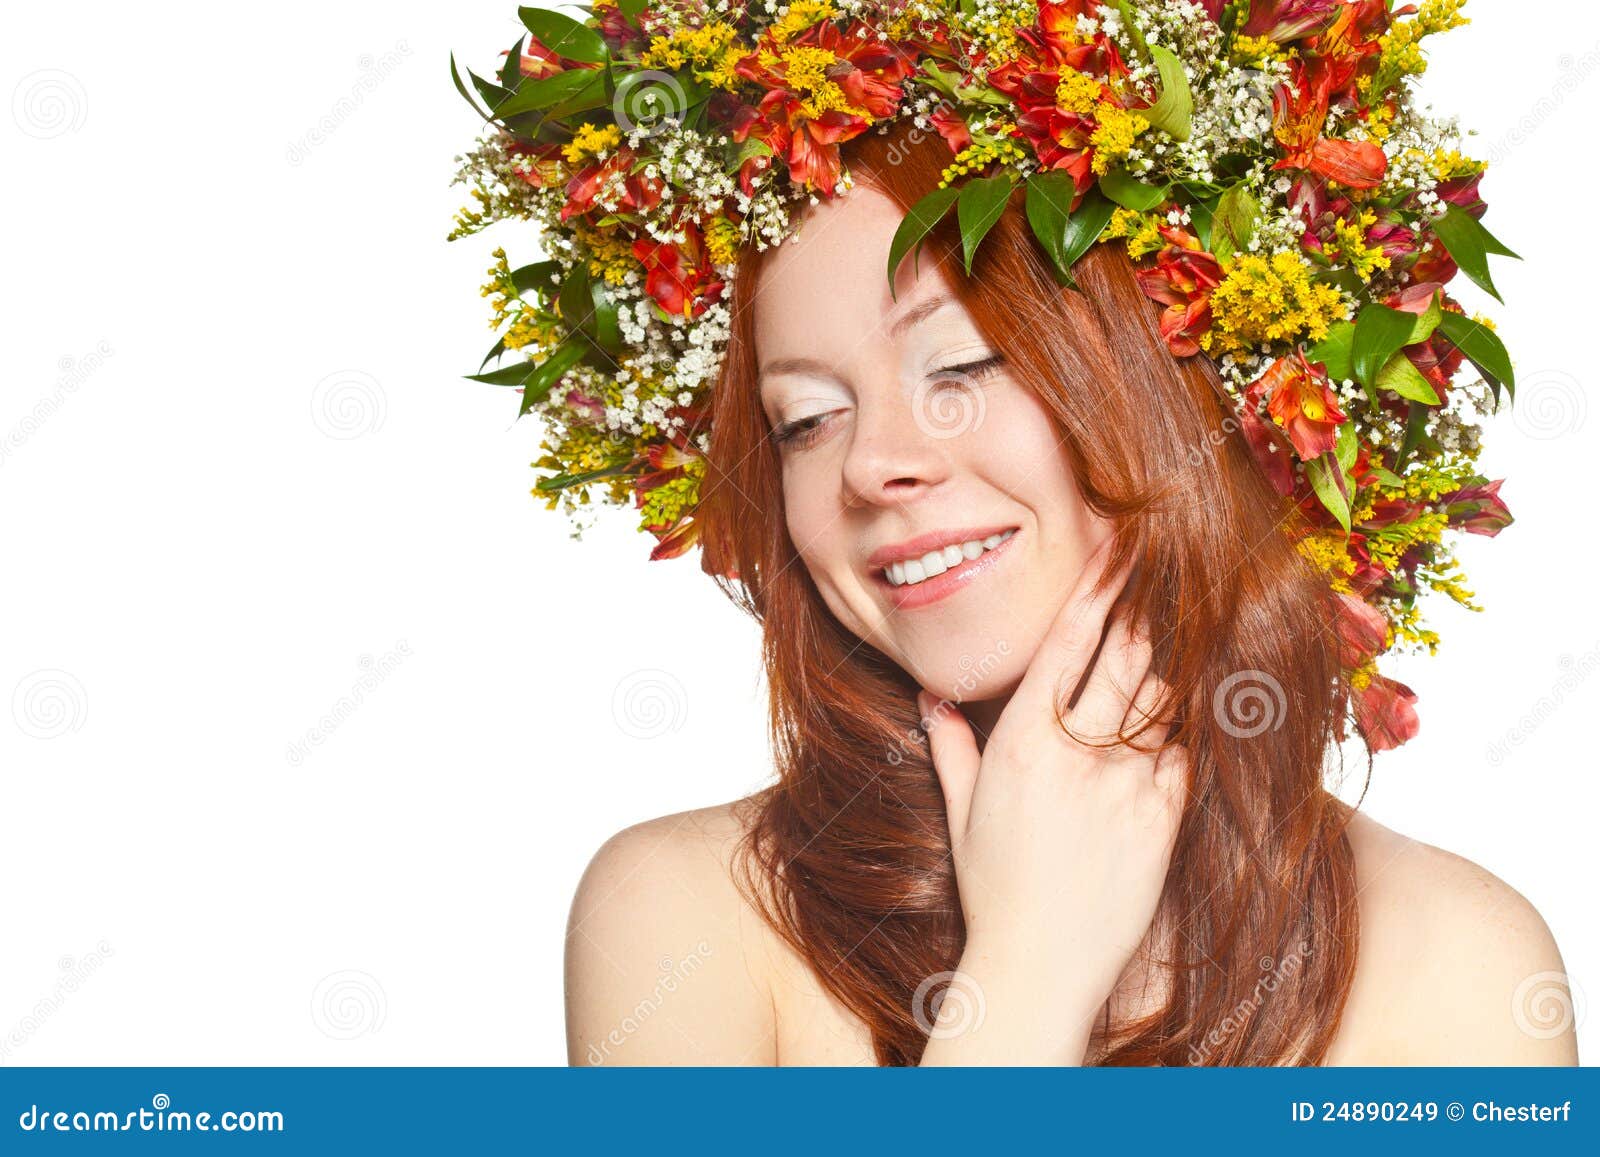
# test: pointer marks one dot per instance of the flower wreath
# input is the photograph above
(1262, 160)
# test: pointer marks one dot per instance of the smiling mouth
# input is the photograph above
(917, 582)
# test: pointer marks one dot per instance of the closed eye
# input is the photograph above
(802, 432)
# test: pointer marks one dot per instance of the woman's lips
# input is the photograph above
(912, 595)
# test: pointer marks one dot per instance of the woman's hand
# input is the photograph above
(1060, 848)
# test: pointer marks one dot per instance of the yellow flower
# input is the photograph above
(1115, 134)
(1076, 92)
(802, 14)
(1266, 299)
(1349, 245)
(590, 141)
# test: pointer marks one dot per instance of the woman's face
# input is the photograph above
(904, 437)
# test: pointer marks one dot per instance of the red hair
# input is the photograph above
(848, 853)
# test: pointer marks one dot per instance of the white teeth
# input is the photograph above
(936, 562)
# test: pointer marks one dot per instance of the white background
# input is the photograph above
(240, 468)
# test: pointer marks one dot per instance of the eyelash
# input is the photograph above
(802, 432)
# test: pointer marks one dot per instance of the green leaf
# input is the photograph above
(1327, 479)
(916, 225)
(513, 375)
(1048, 205)
(461, 87)
(562, 481)
(532, 95)
(1399, 376)
(1481, 346)
(1201, 215)
(1380, 331)
(548, 373)
(1126, 9)
(1426, 321)
(498, 348)
(1172, 109)
(511, 70)
(1065, 237)
(1388, 477)
(1333, 351)
(1086, 225)
(535, 278)
(632, 8)
(1469, 245)
(1238, 213)
(1344, 449)
(1132, 193)
(978, 207)
(563, 35)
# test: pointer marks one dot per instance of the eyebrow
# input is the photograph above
(905, 321)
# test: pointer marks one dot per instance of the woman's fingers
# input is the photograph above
(1115, 683)
(955, 757)
(1068, 645)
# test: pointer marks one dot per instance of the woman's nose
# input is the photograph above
(899, 445)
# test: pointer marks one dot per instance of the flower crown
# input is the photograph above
(1263, 162)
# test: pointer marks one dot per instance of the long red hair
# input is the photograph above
(848, 855)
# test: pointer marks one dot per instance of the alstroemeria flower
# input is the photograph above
(1286, 20)
(1302, 402)
(1182, 279)
(1299, 112)
(634, 192)
(1386, 712)
(679, 276)
(1361, 629)
(1477, 509)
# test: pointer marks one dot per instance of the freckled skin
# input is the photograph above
(904, 450)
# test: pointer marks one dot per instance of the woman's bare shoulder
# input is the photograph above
(665, 959)
(1455, 966)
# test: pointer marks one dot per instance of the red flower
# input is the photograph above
(1361, 628)
(679, 276)
(1182, 279)
(1302, 402)
(638, 193)
(1286, 20)
(1477, 509)
(1299, 110)
(1386, 713)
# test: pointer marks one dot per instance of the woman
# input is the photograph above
(1158, 876)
